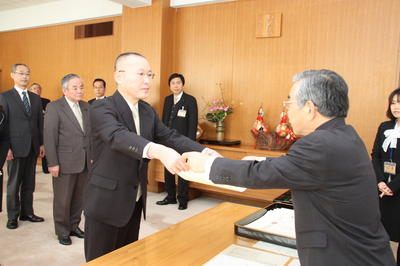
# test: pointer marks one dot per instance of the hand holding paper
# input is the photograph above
(168, 157)
(196, 161)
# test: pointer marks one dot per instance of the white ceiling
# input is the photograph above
(13, 4)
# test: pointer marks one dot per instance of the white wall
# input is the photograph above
(58, 12)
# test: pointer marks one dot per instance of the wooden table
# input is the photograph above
(190, 242)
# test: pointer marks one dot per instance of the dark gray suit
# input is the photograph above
(25, 138)
(334, 194)
(67, 145)
(111, 210)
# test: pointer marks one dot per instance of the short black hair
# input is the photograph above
(176, 75)
(389, 114)
(102, 80)
(125, 55)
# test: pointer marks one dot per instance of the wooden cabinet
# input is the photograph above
(257, 197)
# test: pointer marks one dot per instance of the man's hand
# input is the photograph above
(10, 155)
(54, 170)
(384, 189)
(196, 161)
(172, 160)
(41, 151)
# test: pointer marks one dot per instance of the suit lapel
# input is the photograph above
(85, 117)
(123, 108)
(68, 112)
(145, 121)
(17, 98)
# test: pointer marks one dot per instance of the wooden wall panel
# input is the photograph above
(52, 52)
(358, 39)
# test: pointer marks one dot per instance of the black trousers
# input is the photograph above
(101, 238)
(170, 187)
(21, 185)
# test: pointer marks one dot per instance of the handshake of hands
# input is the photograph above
(175, 163)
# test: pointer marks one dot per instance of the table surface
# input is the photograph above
(190, 242)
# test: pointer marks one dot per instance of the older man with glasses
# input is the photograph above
(329, 172)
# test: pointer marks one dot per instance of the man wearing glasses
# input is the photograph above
(125, 130)
(23, 111)
(329, 172)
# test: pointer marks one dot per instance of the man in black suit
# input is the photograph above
(329, 172)
(180, 113)
(23, 111)
(124, 132)
(37, 89)
(99, 88)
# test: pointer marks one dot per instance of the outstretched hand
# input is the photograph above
(172, 160)
(196, 161)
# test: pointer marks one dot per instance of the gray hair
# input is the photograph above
(326, 89)
(14, 67)
(123, 55)
(66, 79)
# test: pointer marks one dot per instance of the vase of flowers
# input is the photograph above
(217, 113)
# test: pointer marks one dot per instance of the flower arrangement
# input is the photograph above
(218, 109)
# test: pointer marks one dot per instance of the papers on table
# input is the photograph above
(203, 179)
(276, 248)
(279, 221)
(235, 255)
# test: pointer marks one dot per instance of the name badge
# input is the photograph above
(389, 168)
(182, 112)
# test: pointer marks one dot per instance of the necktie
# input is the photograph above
(135, 114)
(175, 100)
(78, 114)
(26, 102)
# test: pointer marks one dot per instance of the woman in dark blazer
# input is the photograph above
(4, 146)
(386, 161)
(180, 113)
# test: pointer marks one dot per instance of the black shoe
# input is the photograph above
(46, 171)
(31, 218)
(65, 240)
(166, 201)
(182, 206)
(78, 233)
(12, 224)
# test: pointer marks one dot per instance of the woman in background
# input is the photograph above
(386, 162)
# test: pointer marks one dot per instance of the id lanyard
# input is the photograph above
(391, 160)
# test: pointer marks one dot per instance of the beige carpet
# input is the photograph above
(35, 244)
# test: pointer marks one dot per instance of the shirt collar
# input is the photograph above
(99, 98)
(70, 103)
(20, 90)
(131, 106)
(178, 97)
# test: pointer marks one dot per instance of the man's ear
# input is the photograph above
(117, 77)
(311, 110)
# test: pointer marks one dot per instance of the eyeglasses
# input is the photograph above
(149, 75)
(23, 74)
(287, 102)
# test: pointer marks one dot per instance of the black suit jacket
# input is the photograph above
(334, 194)
(118, 165)
(24, 129)
(44, 103)
(187, 125)
(94, 99)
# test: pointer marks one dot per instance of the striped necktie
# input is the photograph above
(26, 102)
